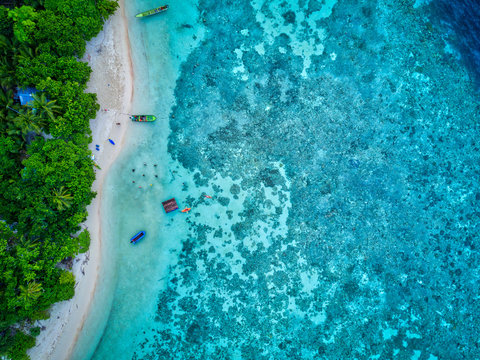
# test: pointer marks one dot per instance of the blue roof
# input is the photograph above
(26, 95)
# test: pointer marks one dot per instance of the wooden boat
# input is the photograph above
(170, 205)
(137, 237)
(143, 118)
(153, 11)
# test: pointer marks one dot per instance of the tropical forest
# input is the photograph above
(46, 167)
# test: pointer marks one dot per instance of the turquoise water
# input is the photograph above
(339, 144)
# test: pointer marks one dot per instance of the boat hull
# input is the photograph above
(152, 11)
(143, 118)
(139, 236)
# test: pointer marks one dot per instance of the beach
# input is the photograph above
(112, 80)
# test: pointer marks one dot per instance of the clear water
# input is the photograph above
(339, 144)
(460, 24)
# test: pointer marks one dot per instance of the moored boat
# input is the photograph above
(153, 11)
(170, 205)
(138, 237)
(143, 118)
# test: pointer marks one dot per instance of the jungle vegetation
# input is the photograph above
(46, 172)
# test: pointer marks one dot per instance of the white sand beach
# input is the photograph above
(112, 79)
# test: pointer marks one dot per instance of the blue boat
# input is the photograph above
(138, 237)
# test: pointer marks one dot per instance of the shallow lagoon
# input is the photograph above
(339, 143)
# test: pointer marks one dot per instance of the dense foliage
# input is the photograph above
(46, 172)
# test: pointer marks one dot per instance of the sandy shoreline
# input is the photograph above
(112, 79)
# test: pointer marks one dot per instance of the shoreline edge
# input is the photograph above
(109, 56)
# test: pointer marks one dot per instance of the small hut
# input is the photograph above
(170, 205)
(25, 96)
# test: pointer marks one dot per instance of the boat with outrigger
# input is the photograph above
(139, 236)
(157, 10)
(143, 118)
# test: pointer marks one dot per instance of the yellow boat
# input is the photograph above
(153, 11)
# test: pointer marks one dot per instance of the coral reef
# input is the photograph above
(340, 144)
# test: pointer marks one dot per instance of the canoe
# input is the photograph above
(153, 11)
(137, 237)
(143, 118)
(111, 141)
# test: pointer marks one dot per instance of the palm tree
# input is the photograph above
(7, 72)
(30, 293)
(36, 3)
(6, 45)
(26, 121)
(26, 51)
(43, 107)
(62, 199)
(6, 99)
(27, 243)
(7, 62)
(6, 105)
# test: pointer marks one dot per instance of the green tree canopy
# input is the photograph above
(45, 184)
(106, 7)
(6, 23)
(46, 109)
(58, 34)
(31, 71)
(23, 23)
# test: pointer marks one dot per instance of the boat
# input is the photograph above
(137, 237)
(143, 118)
(153, 11)
(170, 205)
